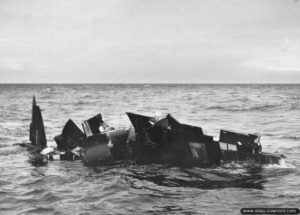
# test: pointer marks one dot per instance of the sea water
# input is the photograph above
(70, 187)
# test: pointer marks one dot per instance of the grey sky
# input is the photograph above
(150, 41)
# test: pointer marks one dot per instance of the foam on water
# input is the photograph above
(282, 165)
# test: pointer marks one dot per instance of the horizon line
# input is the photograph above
(152, 83)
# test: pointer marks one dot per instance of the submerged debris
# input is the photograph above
(158, 139)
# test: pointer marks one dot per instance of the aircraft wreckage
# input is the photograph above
(148, 140)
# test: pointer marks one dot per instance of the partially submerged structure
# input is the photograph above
(37, 134)
(172, 141)
(149, 140)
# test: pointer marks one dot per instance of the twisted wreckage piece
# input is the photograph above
(149, 140)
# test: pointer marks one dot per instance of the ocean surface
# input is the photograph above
(70, 187)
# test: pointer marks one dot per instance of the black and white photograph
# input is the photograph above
(116, 107)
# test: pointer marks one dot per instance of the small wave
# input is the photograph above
(282, 165)
(235, 108)
(290, 137)
(167, 209)
(268, 135)
(201, 178)
(4, 145)
(9, 150)
(80, 102)
(39, 210)
(216, 107)
(282, 168)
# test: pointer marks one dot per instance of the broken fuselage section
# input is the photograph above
(167, 140)
(97, 144)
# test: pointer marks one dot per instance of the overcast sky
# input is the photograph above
(194, 41)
